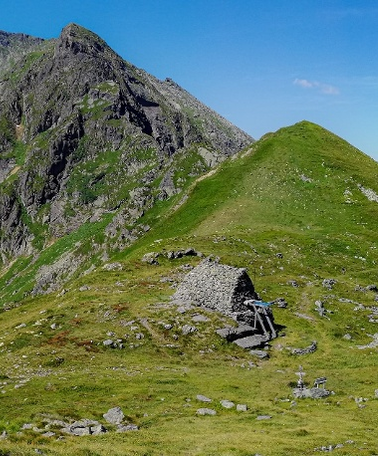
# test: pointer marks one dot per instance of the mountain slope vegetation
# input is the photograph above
(298, 209)
(87, 137)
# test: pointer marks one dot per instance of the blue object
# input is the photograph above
(262, 303)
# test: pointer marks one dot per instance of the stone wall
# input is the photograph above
(216, 286)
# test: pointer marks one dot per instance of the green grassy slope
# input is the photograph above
(293, 210)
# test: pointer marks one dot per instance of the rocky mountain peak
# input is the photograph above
(78, 40)
(85, 133)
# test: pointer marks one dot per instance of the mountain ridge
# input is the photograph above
(13, 46)
(71, 102)
(258, 211)
(113, 196)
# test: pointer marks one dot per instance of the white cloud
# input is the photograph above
(329, 89)
(303, 83)
(326, 89)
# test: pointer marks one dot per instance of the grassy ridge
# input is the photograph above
(292, 211)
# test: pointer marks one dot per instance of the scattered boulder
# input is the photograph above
(206, 411)
(227, 404)
(329, 283)
(98, 429)
(114, 415)
(202, 398)
(127, 427)
(172, 255)
(85, 288)
(150, 258)
(262, 354)
(112, 267)
(84, 427)
(280, 302)
(231, 333)
(27, 426)
(241, 407)
(319, 307)
(373, 288)
(263, 417)
(110, 343)
(200, 319)
(251, 341)
(305, 178)
(187, 329)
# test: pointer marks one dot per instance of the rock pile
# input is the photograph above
(114, 417)
(152, 257)
(307, 350)
(84, 427)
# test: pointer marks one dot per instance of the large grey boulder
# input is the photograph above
(227, 404)
(114, 415)
(313, 393)
(251, 341)
(203, 398)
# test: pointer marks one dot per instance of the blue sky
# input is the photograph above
(262, 64)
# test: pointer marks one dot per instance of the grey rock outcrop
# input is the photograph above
(13, 46)
(313, 393)
(76, 101)
(114, 415)
(82, 427)
(329, 283)
(307, 350)
(85, 427)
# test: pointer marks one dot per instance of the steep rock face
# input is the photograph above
(81, 130)
(13, 46)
